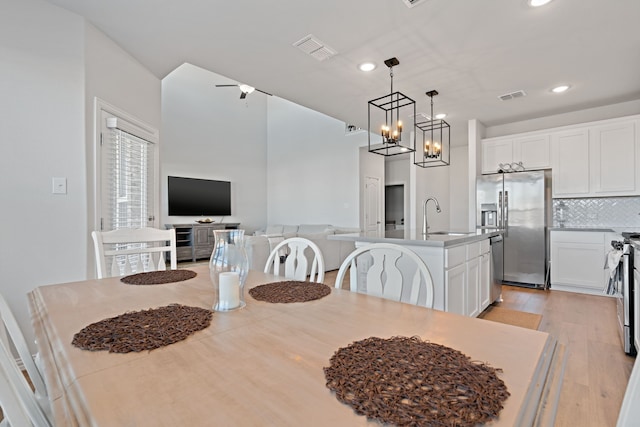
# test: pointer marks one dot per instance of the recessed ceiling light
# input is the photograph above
(441, 116)
(537, 3)
(560, 89)
(367, 66)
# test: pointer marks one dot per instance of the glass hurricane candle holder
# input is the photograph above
(228, 268)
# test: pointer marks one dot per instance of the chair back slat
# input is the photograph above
(353, 276)
(295, 265)
(160, 265)
(382, 275)
(375, 285)
(415, 288)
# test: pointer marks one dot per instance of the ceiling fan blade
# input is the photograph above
(266, 93)
(226, 85)
(243, 95)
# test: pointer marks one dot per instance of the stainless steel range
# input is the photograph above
(624, 293)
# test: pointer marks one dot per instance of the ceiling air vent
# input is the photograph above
(314, 47)
(512, 95)
(412, 3)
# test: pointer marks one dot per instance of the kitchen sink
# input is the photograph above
(449, 233)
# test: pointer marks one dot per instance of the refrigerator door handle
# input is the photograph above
(500, 223)
(506, 209)
(505, 218)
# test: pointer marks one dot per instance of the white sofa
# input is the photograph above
(258, 246)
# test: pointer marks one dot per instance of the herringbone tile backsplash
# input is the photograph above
(606, 212)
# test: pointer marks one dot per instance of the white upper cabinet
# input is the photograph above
(530, 150)
(570, 163)
(533, 151)
(596, 161)
(495, 153)
(614, 153)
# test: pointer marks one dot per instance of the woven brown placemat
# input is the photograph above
(158, 277)
(290, 291)
(409, 382)
(143, 330)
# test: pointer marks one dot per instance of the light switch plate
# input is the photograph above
(59, 185)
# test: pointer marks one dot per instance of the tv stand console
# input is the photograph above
(195, 241)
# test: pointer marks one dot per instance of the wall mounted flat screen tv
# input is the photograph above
(198, 197)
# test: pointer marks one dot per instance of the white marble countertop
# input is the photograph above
(403, 237)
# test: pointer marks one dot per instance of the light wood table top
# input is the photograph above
(261, 365)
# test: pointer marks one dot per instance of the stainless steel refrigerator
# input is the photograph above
(518, 203)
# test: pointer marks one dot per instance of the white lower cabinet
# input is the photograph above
(577, 261)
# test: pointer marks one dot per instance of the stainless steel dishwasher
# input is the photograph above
(497, 268)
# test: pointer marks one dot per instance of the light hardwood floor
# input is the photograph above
(597, 370)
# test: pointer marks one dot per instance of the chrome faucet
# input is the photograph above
(425, 225)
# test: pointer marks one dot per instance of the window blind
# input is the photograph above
(128, 172)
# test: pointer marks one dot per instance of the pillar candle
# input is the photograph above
(229, 290)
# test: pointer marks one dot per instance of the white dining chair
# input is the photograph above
(377, 264)
(296, 264)
(12, 372)
(127, 251)
(20, 407)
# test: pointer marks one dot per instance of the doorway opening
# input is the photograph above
(394, 207)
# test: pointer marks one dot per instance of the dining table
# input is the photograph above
(261, 364)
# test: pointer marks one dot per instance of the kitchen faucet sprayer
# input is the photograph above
(425, 225)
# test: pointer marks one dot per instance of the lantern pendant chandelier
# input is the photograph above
(388, 110)
(436, 140)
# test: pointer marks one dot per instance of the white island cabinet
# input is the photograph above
(459, 266)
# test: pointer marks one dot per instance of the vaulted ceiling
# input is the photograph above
(471, 51)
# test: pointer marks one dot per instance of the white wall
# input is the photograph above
(312, 167)
(210, 133)
(432, 182)
(458, 185)
(49, 71)
(117, 78)
(42, 136)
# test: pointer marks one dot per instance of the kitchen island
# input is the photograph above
(459, 263)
